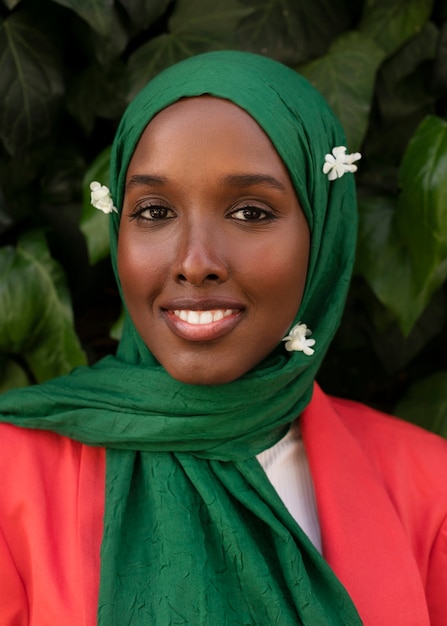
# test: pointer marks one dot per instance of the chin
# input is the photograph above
(203, 378)
(204, 374)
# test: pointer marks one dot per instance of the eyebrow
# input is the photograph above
(232, 180)
(252, 180)
(145, 180)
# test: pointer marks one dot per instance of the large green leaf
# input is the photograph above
(97, 13)
(422, 208)
(293, 31)
(36, 318)
(402, 249)
(345, 76)
(94, 224)
(425, 403)
(30, 83)
(391, 23)
(193, 28)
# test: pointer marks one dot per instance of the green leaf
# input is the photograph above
(36, 319)
(97, 13)
(10, 4)
(391, 24)
(11, 375)
(393, 349)
(143, 13)
(425, 403)
(117, 329)
(384, 263)
(152, 58)
(97, 92)
(439, 82)
(30, 83)
(193, 29)
(194, 18)
(402, 81)
(345, 76)
(422, 208)
(293, 31)
(94, 224)
(402, 249)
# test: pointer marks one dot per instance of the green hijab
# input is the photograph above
(194, 533)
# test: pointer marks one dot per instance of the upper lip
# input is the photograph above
(202, 304)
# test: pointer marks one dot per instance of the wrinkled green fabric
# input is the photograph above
(194, 533)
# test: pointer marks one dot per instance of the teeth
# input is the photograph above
(203, 317)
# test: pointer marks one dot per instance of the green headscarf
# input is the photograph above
(194, 533)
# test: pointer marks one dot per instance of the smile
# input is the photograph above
(203, 324)
(202, 318)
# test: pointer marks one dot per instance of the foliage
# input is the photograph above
(68, 69)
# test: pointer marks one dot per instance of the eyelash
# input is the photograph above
(268, 215)
(247, 209)
(138, 212)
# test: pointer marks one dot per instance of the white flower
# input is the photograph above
(100, 198)
(297, 339)
(338, 163)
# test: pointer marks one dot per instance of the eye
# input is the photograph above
(252, 214)
(152, 212)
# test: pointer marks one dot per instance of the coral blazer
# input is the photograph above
(381, 489)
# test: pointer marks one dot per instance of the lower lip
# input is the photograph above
(202, 332)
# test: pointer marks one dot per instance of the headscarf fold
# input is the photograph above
(194, 533)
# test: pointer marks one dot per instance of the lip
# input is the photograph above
(202, 332)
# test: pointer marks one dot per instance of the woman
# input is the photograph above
(230, 235)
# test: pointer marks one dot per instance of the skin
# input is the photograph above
(210, 222)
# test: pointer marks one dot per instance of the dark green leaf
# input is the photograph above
(194, 17)
(193, 29)
(117, 329)
(293, 31)
(94, 224)
(30, 83)
(97, 92)
(97, 13)
(422, 208)
(10, 4)
(440, 67)
(402, 81)
(151, 58)
(425, 404)
(36, 317)
(393, 349)
(384, 262)
(391, 24)
(402, 249)
(345, 76)
(11, 375)
(143, 13)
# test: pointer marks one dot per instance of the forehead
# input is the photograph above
(208, 130)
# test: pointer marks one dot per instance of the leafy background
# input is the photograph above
(68, 69)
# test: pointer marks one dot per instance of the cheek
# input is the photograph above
(280, 271)
(140, 266)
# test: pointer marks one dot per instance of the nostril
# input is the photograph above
(212, 277)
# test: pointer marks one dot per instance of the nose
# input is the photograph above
(200, 256)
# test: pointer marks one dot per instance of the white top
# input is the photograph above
(287, 468)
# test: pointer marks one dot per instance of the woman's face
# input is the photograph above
(213, 245)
